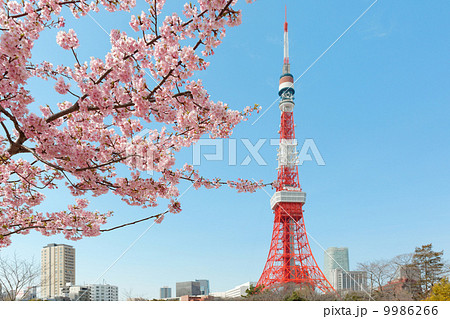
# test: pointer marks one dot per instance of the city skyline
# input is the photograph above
(376, 111)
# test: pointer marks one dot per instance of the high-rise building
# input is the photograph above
(345, 281)
(204, 286)
(335, 258)
(57, 269)
(104, 292)
(191, 288)
(165, 292)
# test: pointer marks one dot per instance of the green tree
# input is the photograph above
(356, 296)
(295, 296)
(252, 290)
(440, 291)
(431, 269)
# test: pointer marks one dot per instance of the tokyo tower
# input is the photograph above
(290, 258)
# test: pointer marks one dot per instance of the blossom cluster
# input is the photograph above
(67, 40)
(83, 139)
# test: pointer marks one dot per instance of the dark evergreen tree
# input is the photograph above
(431, 269)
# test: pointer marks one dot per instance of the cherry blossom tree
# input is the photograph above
(145, 81)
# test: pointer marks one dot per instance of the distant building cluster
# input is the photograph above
(337, 271)
(199, 290)
(58, 278)
(58, 283)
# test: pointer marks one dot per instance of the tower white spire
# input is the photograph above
(286, 38)
(286, 79)
(287, 152)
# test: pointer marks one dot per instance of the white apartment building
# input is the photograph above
(236, 292)
(57, 269)
(104, 292)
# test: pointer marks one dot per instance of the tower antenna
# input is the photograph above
(286, 43)
(285, 15)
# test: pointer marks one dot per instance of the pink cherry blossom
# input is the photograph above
(61, 87)
(14, 7)
(67, 40)
(114, 117)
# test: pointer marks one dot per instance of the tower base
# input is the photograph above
(290, 259)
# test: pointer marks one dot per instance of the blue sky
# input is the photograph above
(376, 105)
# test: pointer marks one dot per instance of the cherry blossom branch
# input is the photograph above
(135, 222)
(120, 159)
(15, 147)
(30, 183)
(224, 9)
(157, 216)
(40, 9)
(75, 107)
(8, 136)
(83, 142)
(30, 150)
(76, 57)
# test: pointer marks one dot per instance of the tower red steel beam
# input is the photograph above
(290, 258)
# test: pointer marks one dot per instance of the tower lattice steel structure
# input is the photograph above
(290, 258)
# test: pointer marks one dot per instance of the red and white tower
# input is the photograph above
(290, 258)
